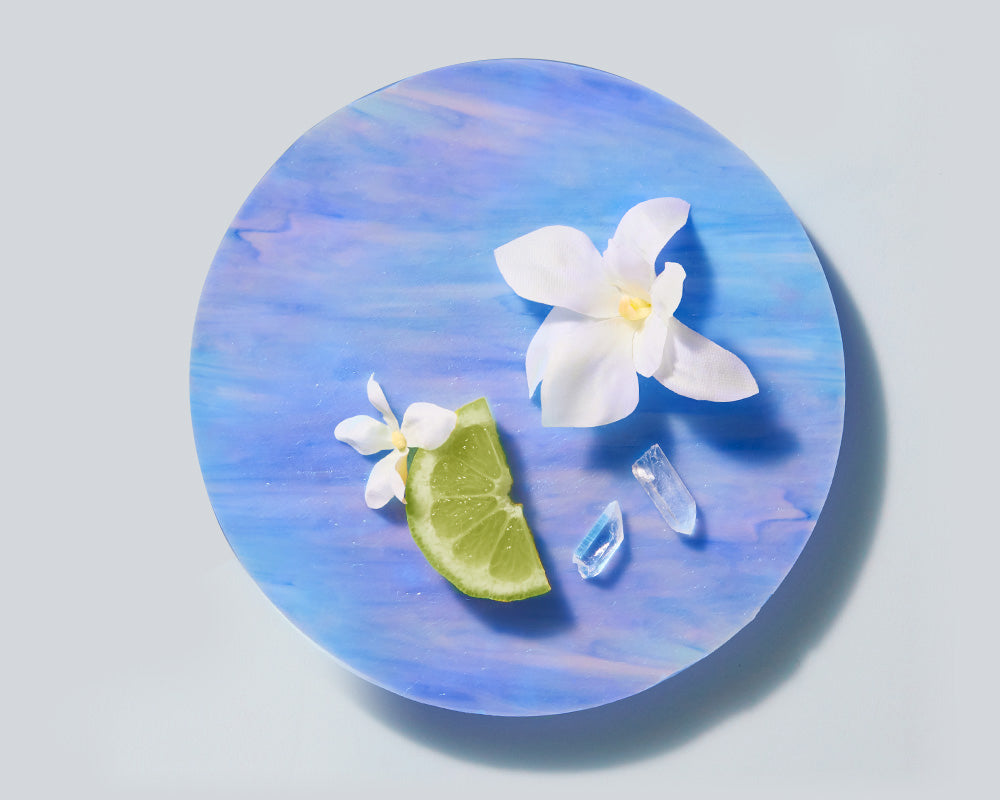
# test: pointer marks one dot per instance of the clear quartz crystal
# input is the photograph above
(666, 489)
(601, 542)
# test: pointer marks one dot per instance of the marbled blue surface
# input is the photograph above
(368, 248)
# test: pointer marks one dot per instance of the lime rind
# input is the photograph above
(462, 518)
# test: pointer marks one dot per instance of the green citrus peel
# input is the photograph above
(461, 516)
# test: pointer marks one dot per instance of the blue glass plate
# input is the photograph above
(368, 248)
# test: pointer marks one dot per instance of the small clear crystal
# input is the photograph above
(666, 489)
(601, 542)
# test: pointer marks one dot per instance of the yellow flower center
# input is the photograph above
(634, 308)
(398, 440)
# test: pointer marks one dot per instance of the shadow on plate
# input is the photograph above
(741, 673)
(544, 615)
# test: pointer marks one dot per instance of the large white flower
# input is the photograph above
(424, 425)
(613, 317)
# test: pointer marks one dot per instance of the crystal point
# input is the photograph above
(666, 489)
(601, 542)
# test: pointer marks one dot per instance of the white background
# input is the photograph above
(141, 661)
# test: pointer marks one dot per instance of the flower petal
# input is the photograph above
(559, 266)
(628, 269)
(667, 290)
(650, 225)
(427, 425)
(589, 375)
(385, 482)
(696, 367)
(364, 434)
(377, 398)
(647, 348)
(540, 348)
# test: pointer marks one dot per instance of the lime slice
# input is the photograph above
(460, 513)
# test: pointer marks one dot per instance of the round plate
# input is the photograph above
(368, 248)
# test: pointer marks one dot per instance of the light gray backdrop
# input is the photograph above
(140, 659)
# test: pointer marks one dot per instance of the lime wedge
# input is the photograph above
(460, 513)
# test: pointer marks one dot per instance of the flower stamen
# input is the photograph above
(398, 440)
(634, 309)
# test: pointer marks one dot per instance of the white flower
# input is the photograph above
(424, 425)
(613, 318)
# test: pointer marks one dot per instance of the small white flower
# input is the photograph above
(613, 317)
(424, 425)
